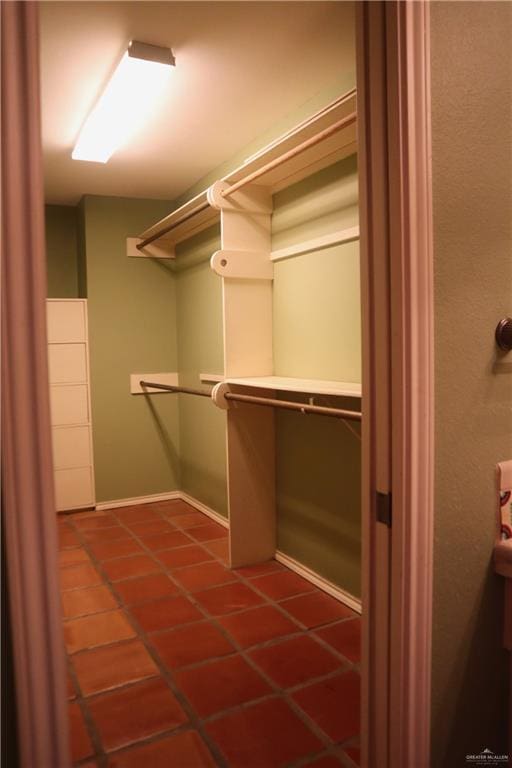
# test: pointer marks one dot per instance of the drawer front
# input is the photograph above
(71, 447)
(69, 404)
(66, 321)
(73, 488)
(67, 363)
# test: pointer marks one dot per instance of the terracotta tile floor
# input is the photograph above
(176, 661)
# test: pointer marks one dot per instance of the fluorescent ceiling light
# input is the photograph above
(132, 93)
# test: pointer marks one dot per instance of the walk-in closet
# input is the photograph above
(204, 347)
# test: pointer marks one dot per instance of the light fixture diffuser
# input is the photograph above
(130, 96)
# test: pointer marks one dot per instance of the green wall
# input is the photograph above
(317, 312)
(132, 310)
(61, 224)
(317, 334)
(319, 495)
(200, 350)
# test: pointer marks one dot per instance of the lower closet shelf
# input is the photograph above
(288, 384)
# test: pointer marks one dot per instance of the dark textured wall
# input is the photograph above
(472, 192)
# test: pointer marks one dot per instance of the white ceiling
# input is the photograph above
(241, 67)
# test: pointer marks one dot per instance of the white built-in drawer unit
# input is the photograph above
(70, 403)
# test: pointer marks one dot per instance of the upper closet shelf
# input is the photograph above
(308, 386)
(321, 140)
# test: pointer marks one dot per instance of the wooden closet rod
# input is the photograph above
(165, 230)
(316, 139)
(270, 402)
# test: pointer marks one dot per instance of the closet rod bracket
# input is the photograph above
(219, 393)
(135, 249)
(245, 265)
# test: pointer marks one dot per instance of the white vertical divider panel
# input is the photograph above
(247, 319)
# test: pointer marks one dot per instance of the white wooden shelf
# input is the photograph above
(309, 386)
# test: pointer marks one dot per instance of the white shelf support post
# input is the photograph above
(247, 318)
(247, 303)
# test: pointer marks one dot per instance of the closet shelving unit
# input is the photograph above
(243, 202)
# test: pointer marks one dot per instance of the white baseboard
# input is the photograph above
(170, 496)
(151, 498)
(220, 519)
(326, 586)
(302, 570)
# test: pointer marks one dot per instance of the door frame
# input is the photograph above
(393, 62)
